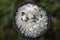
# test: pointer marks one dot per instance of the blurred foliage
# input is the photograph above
(7, 31)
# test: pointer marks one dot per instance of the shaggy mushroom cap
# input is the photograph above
(31, 20)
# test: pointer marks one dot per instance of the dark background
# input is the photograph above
(7, 7)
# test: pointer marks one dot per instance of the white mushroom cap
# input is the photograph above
(31, 28)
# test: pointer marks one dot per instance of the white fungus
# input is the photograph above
(33, 21)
